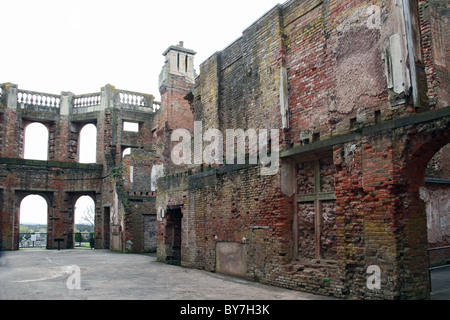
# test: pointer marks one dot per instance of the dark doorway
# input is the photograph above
(150, 231)
(173, 236)
(106, 226)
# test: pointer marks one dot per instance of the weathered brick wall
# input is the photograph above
(435, 193)
(439, 166)
(238, 87)
(357, 145)
(237, 205)
(324, 46)
(58, 182)
(2, 129)
(230, 206)
(137, 201)
(437, 200)
(436, 50)
(61, 179)
(10, 148)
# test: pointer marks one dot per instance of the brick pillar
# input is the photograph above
(176, 80)
(12, 141)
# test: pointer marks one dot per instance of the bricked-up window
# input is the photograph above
(36, 142)
(88, 144)
(316, 210)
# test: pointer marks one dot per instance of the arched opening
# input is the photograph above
(33, 222)
(88, 144)
(84, 222)
(412, 225)
(436, 195)
(36, 142)
(126, 152)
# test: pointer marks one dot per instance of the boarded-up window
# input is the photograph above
(316, 209)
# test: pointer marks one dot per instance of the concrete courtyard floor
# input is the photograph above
(104, 275)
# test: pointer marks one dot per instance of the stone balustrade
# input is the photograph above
(135, 100)
(39, 99)
(108, 97)
(87, 100)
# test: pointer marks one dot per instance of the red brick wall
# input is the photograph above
(435, 32)
(58, 182)
(337, 87)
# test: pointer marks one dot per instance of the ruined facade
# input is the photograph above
(132, 148)
(358, 91)
(61, 180)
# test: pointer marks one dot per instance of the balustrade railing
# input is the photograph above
(87, 100)
(135, 99)
(81, 103)
(38, 99)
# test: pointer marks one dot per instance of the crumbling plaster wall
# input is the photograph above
(343, 69)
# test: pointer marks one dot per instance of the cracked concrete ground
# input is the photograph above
(104, 275)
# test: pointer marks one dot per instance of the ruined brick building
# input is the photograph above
(359, 93)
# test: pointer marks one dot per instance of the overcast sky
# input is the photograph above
(81, 45)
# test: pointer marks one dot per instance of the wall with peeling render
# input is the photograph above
(345, 83)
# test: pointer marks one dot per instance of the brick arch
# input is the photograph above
(410, 225)
(422, 147)
(20, 195)
(18, 198)
(73, 197)
(78, 195)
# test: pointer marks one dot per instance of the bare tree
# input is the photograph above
(88, 217)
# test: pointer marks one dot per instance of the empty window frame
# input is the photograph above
(131, 126)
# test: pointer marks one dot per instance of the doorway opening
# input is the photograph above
(106, 227)
(84, 220)
(33, 223)
(436, 195)
(173, 235)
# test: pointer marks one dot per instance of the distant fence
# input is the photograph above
(32, 240)
(82, 239)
